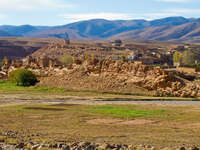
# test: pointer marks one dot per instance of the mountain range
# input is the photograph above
(178, 29)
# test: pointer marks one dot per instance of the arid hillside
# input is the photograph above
(109, 76)
(116, 76)
(185, 32)
(166, 29)
(17, 48)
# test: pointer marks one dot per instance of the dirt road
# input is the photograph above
(4, 102)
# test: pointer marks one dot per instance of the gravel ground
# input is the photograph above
(99, 102)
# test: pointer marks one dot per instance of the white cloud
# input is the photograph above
(88, 16)
(152, 16)
(116, 16)
(172, 12)
(31, 5)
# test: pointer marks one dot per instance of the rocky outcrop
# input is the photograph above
(20, 142)
(86, 146)
(41, 62)
(31, 63)
(151, 78)
(3, 75)
(145, 54)
(123, 76)
(18, 48)
(109, 75)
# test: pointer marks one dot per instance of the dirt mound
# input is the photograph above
(117, 76)
(120, 121)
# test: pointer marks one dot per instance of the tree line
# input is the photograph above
(186, 58)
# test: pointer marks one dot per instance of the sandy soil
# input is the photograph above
(6, 102)
(120, 121)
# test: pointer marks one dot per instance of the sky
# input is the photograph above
(60, 12)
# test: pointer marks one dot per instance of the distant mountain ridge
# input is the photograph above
(169, 29)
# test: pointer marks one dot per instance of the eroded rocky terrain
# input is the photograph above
(108, 75)
(78, 145)
(18, 48)
(86, 146)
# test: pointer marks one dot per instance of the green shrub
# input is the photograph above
(23, 77)
(4, 61)
(67, 59)
(123, 58)
(188, 57)
(177, 57)
(87, 57)
(156, 65)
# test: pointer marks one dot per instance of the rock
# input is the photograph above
(117, 74)
(152, 148)
(41, 147)
(182, 148)
(59, 145)
(84, 144)
(29, 145)
(54, 145)
(65, 147)
(91, 147)
(194, 148)
(20, 145)
(8, 147)
(131, 147)
(103, 146)
(2, 140)
(35, 147)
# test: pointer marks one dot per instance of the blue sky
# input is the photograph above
(59, 12)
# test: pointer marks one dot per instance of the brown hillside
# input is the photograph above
(181, 32)
(17, 48)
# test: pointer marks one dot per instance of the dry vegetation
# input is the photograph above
(36, 119)
(156, 125)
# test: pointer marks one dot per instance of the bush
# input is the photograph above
(177, 57)
(156, 65)
(4, 61)
(87, 57)
(188, 57)
(123, 58)
(23, 77)
(67, 59)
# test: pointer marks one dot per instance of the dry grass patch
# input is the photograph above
(74, 124)
(42, 108)
(120, 121)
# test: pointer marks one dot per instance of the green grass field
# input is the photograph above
(6, 86)
(124, 112)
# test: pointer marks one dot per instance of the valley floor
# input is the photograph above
(57, 115)
(156, 123)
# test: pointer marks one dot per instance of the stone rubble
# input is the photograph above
(87, 146)
(114, 74)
